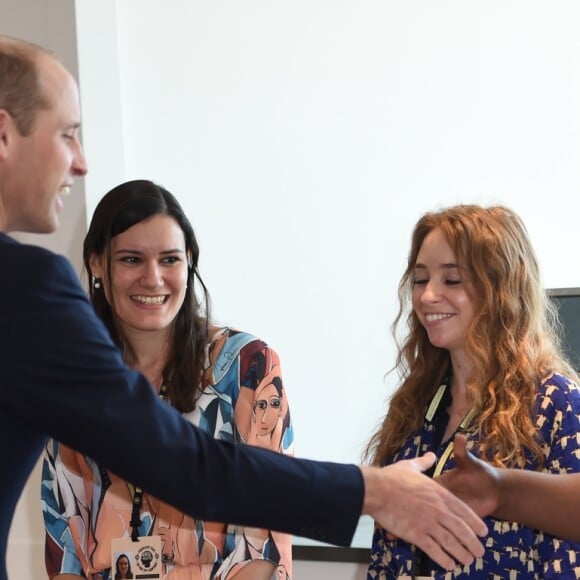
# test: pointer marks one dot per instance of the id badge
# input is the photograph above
(140, 559)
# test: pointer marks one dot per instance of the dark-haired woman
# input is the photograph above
(142, 259)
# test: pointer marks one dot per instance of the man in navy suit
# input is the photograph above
(61, 375)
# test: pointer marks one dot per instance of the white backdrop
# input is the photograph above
(305, 138)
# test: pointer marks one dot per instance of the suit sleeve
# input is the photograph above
(68, 381)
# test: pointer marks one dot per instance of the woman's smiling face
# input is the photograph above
(440, 297)
(149, 268)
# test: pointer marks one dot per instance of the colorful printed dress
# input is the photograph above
(86, 506)
(513, 551)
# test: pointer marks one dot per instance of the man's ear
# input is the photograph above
(6, 127)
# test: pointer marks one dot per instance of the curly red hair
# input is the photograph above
(512, 340)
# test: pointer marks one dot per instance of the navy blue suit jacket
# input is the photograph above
(61, 376)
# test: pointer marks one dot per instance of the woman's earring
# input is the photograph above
(96, 282)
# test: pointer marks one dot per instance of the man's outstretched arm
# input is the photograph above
(412, 507)
(548, 502)
(75, 375)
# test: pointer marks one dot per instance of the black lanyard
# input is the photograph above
(137, 493)
(137, 497)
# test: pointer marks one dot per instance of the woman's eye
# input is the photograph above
(420, 281)
(171, 260)
(129, 259)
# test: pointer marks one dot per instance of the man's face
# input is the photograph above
(38, 168)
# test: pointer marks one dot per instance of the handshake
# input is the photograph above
(426, 513)
(442, 516)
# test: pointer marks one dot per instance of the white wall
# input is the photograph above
(305, 138)
(100, 90)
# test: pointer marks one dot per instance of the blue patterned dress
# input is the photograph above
(513, 551)
(85, 506)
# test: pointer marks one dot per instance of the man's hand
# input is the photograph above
(473, 480)
(414, 508)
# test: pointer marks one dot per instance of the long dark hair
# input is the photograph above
(121, 208)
